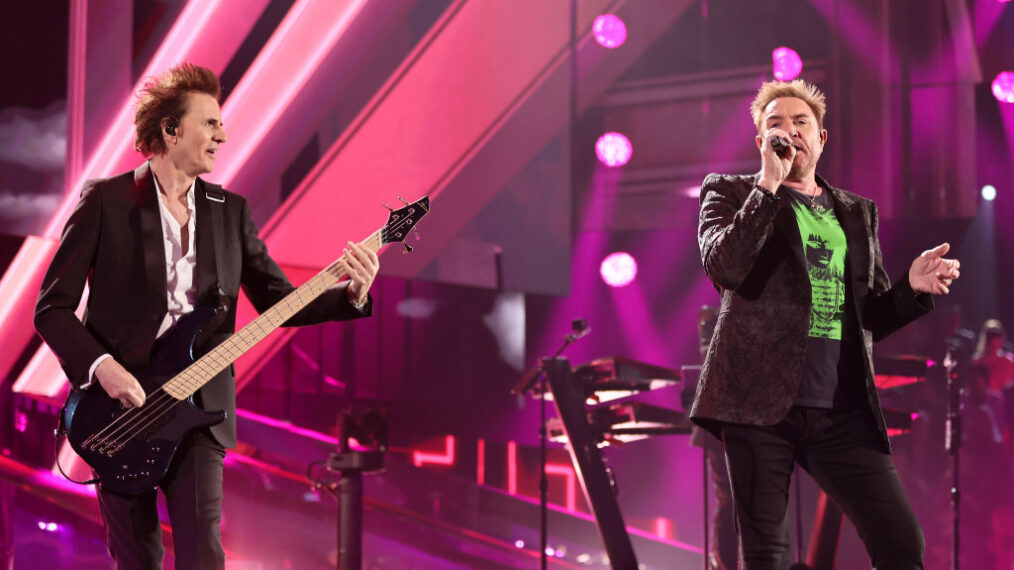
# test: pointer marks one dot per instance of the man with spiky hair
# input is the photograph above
(788, 378)
(153, 244)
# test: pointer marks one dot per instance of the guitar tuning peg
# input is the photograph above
(389, 209)
(415, 231)
(403, 201)
(408, 248)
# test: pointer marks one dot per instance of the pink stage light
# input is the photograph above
(786, 63)
(1003, 87)
(610, 31)
(613, 149)
(618, 269)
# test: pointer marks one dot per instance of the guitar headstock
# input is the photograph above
(403, 220)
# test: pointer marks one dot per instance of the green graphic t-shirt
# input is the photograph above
(825, 248)
(832, 372)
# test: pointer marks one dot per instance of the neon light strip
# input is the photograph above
(419, 458)
(76, 89)
(279, 72)
(480, 462)
(14, 282)
(512, 468)
(568, 472)
(42, 365)
(663, 527)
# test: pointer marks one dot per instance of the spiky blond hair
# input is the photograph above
(798, 88)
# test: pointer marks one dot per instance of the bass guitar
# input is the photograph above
(130, 449)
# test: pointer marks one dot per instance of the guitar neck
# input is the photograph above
(184, 384)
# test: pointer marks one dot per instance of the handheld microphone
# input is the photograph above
(781, 146)
(579, 328)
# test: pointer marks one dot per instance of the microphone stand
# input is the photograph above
(952, 443)
(579, 328)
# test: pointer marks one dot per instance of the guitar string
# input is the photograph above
(158, 413)
(153, 414)
(103, 438)
(146, 412)
(164, 401)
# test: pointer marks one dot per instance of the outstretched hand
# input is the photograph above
(931, 273)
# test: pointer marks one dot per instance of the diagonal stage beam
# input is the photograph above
(470, 106)
(208, 33)
(293, 58)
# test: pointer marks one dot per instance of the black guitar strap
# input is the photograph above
(217, 236)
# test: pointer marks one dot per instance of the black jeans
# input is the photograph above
(842, 451)
(193, 491)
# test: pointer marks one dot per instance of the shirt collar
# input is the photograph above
(190, 192)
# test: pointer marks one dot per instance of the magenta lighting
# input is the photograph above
(786, 63)
(1003, 87)
(618, 269)
(610, 31)
(613, 149)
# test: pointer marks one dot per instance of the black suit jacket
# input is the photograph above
(113, 241)
(752, 251)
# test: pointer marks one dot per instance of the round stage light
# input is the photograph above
(1003, 87)
(785, 63)
(618, 269)
(613, 149)
(989, 192)
(609, 31)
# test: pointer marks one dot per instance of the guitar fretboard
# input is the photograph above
(184, 384)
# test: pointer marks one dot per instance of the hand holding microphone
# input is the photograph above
(780, 146)
(777, 154)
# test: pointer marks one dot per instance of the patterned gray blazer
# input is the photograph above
(752, 251)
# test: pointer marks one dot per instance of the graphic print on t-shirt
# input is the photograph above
(824, 245)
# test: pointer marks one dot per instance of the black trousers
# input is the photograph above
(193, 492)
(842, 451)
(724, 553)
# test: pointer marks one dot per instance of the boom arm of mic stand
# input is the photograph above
(529, 378)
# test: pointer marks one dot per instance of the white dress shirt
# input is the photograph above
(179, 268)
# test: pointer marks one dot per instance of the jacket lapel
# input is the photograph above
(785, 223)
(151, 236)
(850, 216)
